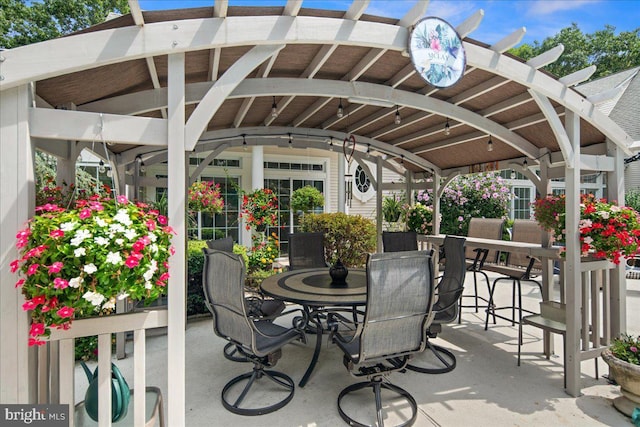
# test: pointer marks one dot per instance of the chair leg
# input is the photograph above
(377, 385)
(284, 381)
(444, 356)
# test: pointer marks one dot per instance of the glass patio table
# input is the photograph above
(313, 290)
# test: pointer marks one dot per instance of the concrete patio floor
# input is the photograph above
(487, 388)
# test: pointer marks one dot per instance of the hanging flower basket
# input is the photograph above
(260, 209)
(78, 262)
(606, 230)
(204, 196)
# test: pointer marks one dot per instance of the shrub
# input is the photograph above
(632, 199)
(346, 237)
(419, 219)
(306, 199)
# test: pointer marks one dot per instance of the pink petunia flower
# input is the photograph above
(131, 262)
(33, 268)
(40, 299)
(122, 199)
(29, 305)
(162, 219)
(34, 341)
(55, 267)
(84, 213)
(151, 224)
(138, 246)
(36, 329)
(60, 283)
(19, 283)
(56, 233)
(164, 277)
(15, 264)
(23, 234)
(65, 312)
(21, 243)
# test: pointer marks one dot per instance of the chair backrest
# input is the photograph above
(451, 284)
(223, 286)
(306, 250)
(527, 231)
(225, 244)
(485, 228)
(396, 241)
(399, 300)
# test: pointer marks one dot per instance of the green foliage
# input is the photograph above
(86, 348)
(306, 198)
(255, 278)
(24, 22)
(632, 199)
(468, 196)
(627, 349)
(420, 219)
(264, 253)
(346, 237)
(609, 52)
(392, 208)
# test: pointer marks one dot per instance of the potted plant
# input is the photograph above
(623, 358)
(420, 218)
(205, 196)
(306, 198)
(606, 229)
(78, 262)
(260, 209)
(392, 210)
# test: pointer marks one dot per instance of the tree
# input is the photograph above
(608, 52)
(24, 22)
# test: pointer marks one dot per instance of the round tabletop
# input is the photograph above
(313, 287)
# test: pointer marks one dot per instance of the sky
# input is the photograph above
(541, 18)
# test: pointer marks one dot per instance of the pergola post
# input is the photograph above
(342, 200)
(17, 361)
(573, 280)
(177, 172)
(66, 166)
(618, 295)
(379, 203)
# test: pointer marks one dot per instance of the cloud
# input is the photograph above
(548, 7)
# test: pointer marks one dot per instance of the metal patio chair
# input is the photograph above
(396, 241)
(306, 250)
(397, 314)
(257, 339)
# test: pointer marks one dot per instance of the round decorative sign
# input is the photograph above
(436, 52)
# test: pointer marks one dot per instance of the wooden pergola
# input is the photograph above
(160, 85)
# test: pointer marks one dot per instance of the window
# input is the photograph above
(361, 180)
(283, 189)
(522, 203)
(222, 224)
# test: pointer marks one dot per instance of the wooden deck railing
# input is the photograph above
(57, 362)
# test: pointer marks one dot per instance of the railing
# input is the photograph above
(57, 363)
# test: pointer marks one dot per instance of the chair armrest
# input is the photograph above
(335, 320)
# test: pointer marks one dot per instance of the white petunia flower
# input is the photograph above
(148, 275)
(111, 304)
(148, 285)
(79, 237)
(68, 226)
(152, 237)
(102, 241)
(101, 222)
(119, 242)
(75, 282)
(114, 258)
(122, 296)
(130, 234)
(90, 268)
(154, 248)
(94, 298)
(123, 217)
(588, 240)
(79, 252)
(116, 228)
(604, 214)
(615, 208)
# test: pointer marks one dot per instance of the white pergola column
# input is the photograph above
(257, 167)
(547, 264)
(615, 192)
(436, 202)
(17, 362)
(379, 203)
(177, 172)
(573, 279)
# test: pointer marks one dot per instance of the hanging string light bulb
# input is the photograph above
(331, 144)
(244, 142)
(274, 108)
(101, 167)
(398, 119)
(447, 128)
(340, 111)
(490, 144)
